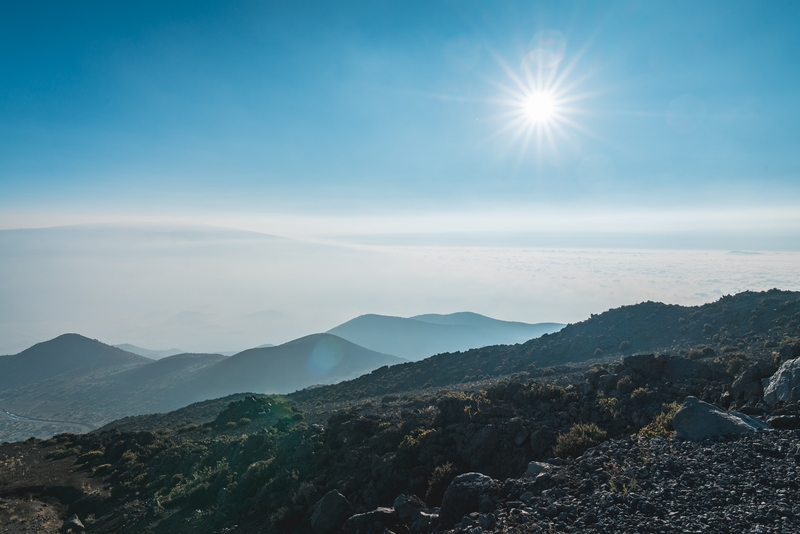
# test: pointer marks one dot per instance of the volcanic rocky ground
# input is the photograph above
(410, 454)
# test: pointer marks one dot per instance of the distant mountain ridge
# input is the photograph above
(76, 379)
(421, 336)
(149, 353)
(66, 355)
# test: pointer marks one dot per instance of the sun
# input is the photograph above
(539, 107)
(540, 97)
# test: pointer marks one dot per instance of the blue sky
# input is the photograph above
(227, 112)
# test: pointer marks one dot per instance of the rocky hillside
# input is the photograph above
(753, 322)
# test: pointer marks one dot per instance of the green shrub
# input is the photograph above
(661, 426)
(89, 456)
(102, 468)
(642, 396)
(64, 452)
(577, 439)
(625, 384)
(441, 477)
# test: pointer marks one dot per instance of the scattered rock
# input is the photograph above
(784, 384)
(331, 511)
(697, 420)
(463, 496)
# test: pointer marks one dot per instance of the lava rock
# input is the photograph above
(647, 365)
(784, 422)
(463, 496)
(407, 508)
(331, 511)
(748, 384)
(784, 385)
(697, 420)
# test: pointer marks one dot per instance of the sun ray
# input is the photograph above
(541, 98)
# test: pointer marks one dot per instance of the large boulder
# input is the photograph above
(463, 496)
(697, 420)
(646, 365)
(784, 385)
(748, 384)
(408, 508)
(330, 512)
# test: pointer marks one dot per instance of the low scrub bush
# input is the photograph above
(441, 477)
(577, 439)
(661, 426)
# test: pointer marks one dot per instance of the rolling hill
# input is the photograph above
(310, 360)
(148, 353)
(75, 379)
(68, 355)
(421, 336)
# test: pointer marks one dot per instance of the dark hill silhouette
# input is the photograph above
(94, 395)
(148, 353)
(314, 359)
(69, 355)
(418, 337)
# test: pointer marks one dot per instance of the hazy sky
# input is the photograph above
(401, 117)
(534, 161)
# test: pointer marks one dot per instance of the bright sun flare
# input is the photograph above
(540, 98)
(540, 107)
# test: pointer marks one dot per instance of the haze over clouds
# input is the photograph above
(213, 289)
(528, 161)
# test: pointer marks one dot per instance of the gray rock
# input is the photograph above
(534, 468)
(647, 365)
(697, 420)
(749, 382)
(784, 422)
(331, 511)
(425, 523)
(377, 521)
(463, 496)
(72, 524)
(407, 508)
(784, 385)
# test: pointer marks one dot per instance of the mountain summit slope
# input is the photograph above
(309, 360)
(67, 355)
(418, 337)
(748, 319)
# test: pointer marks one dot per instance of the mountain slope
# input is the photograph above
(422, 336)
(514, 331)
(746, 321)
(148, 353)
(68, 355)
(314, 359)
